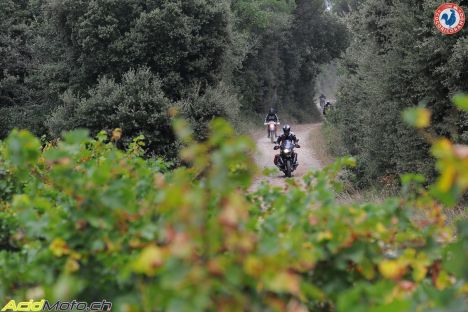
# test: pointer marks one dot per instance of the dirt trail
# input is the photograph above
(265, 154)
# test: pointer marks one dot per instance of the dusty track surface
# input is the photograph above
(265, 155)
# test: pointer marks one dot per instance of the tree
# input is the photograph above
(183, 42)
(208, 54)
(201, 108)
(398, 59)
(291, 43)
(15, 53)
(137, 105)
(344, 7)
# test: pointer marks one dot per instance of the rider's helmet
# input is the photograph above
(287, 129)
(272, 111)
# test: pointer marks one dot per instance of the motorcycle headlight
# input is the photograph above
(287, 151)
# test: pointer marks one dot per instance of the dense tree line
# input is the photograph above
(103, 64)
(398, 59)
(281, 71)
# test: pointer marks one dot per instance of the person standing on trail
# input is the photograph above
(323, 100)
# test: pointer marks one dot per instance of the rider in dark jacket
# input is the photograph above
(271, 116)
(287, 135)
(323, 99)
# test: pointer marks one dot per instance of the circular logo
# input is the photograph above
(449, 18)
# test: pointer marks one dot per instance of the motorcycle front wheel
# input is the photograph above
(288, 169)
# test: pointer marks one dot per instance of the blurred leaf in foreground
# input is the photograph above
(418, 117)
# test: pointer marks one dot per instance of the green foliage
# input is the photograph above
(417, 117)
(91, 221)
(52, 50)
(181, 41)
(345, 7)
(54, 55)
(15, 53)
(461, 101)
(215, 102)
(282, 69)
(257, 16)
(17, 98)
(397, 60)
(137, 105)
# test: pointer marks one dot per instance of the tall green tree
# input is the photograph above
(206, 56)
(15, 52)
(292, 41)
(344, 7)
(183, 42)
(399, 59)
(20, 22)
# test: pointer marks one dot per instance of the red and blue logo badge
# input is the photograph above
(449, 18)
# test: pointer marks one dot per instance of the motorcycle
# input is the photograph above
(272, 126)
(287, 161)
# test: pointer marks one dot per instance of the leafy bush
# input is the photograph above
(137, 105)
(91, 222)
(215, 102)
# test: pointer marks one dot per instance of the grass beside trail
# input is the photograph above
(320, 146)
(324, 142)
(326, 145)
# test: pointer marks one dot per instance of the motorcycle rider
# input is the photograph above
(287, 135)
(271, 116)
(323, 99)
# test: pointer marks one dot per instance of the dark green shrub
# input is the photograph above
(137, 105)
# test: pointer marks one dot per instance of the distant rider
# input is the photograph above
(322, 98)
(287, 135)
(271, 117)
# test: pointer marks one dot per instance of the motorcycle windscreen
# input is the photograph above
(288, 144)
